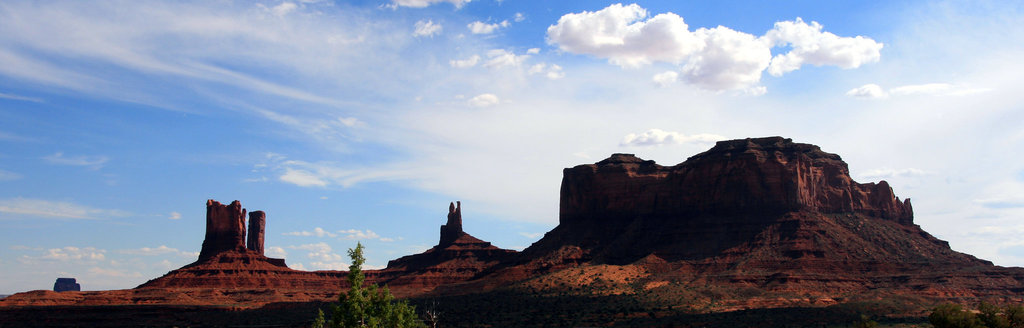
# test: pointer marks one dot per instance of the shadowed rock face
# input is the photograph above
(748, 176)
(451, 230)
(66, 285)
(726, 201)
(225, 228)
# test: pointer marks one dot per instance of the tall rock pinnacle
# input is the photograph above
(225, 228)
(257, 226)
(451, 230)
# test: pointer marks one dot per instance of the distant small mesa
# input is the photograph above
(66, 285)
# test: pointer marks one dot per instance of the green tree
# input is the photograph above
(1015, 315)
(990, 317)
(953, 316)
(368, 306)
(865, 322)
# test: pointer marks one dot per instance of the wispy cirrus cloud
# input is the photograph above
(889, 173)
(425, 3)
(158, 251)
(21, 98)
(657, 137)
(72, 253)
(8, 175)
(39, 208)
(92, 162)
(347, 234)
(874, 91)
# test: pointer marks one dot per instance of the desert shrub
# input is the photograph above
(865, 322)
(1015, 316)
(953, 316)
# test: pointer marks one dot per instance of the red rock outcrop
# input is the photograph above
(761, 176)
(457, 257)
(451, 230)
(66, 285)
(225, 229)
(227, 273)
(765, 212)
(257, 227)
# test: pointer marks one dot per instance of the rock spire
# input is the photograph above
(257, 227)
(451, 230)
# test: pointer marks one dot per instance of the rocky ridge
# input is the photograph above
(229, 271)
(457, 257)
(769, 221)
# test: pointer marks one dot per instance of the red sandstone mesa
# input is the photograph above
(766, 213)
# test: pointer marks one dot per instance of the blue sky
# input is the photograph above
(361, 120)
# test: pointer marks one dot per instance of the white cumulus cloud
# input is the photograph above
(71, 253)
(479, 27)
(465, 63)
(353, 234)
(811, 45)
(427, 28)
(484, 100)
(655, 137)
(870, 90)
(718, 58)
(503, 58)
(320, 252)
(275, 251)
(317, 232)
(665, 79)
(552, 72)
(156, 251)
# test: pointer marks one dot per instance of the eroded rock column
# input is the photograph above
(257, 226)
(225, 228)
